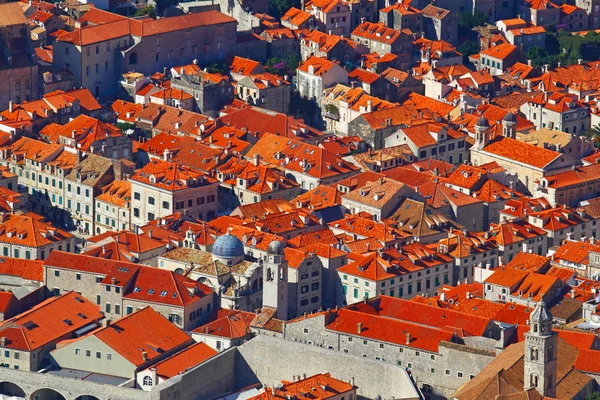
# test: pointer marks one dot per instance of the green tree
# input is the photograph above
(125, 126)
(594, 134)
(147, 11)
(279, 7)
(593, 396)
(217, 68)
(468, 21)
(467, 48)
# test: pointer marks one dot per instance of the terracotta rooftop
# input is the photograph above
(49, 321)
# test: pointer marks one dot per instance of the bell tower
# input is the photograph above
(275, 280)
(509, 126)
(482, 133)
(540, 352)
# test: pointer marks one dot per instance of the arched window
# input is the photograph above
(534, 354)
(535, 328)
(148, 381)
(133, 58)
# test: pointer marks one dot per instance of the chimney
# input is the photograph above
(11, 106)
(359, 327)
(150, 233)
(154, 376)
(3, 341)
(144, 356)
(73, 133)
(256, 160)
(106, 322)
(408, 338)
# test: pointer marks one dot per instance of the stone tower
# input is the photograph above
(482, 133)
(275, 280)
(509, 126)
(540, 352)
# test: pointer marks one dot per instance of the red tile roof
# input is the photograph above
(170, 176)
(318, 387)
(296, 17)
(318, 66)
(258, 121)
(31, 270)
(377, 32)
(145, 331)
(230, 324)
(49, 321)
(184, 360)
(259, 178)
(30, 230)
(245, 66)
(389, 330)
(522, 152)
(320, 197)
(500, 51)
(110, 26)
(301, 157)
(507, 233)
(523, 284)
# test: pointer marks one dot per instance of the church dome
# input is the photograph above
(276, 247)
(482, 122)
(540, 313)
(510, 117)
(228, 246)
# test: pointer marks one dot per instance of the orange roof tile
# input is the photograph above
(30, 230)
(170, 176)
(318, 66)
(377, 32)
(32, 270)
(143, 331)
(320, 387)
(521, 152)
(184, 360)
(500, 51)
(231, 324)
(301, 157)
(49, 321)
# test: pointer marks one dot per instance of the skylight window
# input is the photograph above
(163, 293)
(29, 325)
(151, 291)
(136, 290)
